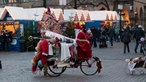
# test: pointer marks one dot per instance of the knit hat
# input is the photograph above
(139, 26)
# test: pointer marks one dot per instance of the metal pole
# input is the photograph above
(120, 23)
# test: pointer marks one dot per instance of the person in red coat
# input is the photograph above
(83, 47)
(42, 52)
(44, 49)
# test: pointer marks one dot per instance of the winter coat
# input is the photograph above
(138, 33)
(126, 37)
(111, 32)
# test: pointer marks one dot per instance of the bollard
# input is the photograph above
(0, 65)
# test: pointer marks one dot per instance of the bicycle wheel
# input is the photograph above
(143, 50)
(89, 67)
(56, 70)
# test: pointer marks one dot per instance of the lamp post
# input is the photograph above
(120, 7)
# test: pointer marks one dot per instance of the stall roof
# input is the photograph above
(69, 14)
(35, 13)
(19, 13)
(57, 12)
(1, 10)
(15, 13)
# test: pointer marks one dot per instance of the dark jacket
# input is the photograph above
(138, 33)
(111, 32)
(126, 37)
(2, 38)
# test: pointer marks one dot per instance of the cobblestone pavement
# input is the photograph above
(17, 67)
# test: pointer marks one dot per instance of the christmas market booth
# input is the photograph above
(19, 22)
(100, 19)
(90, 19)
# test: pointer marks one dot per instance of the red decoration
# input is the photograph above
(40, 24)
(78, 26)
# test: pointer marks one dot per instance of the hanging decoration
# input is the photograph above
(88, 17)
(49, 22)
(76, 17)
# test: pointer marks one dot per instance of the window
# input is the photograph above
(1, 1)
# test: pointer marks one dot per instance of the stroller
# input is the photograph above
(102, 42)
(137, 64)
(143, 45)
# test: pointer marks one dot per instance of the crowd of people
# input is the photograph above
(5, 40)
(114, 34)
(110, 34)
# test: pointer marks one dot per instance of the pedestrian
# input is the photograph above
(94, 33)
(111, 34)
(98, 34)
(42, 49)
(116, 37)
(8, 40)
(90, 36)
(138, 34)
(3, 40)
(126, 39)
(42, 52)
(37, 56)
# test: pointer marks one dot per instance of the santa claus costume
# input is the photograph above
(42, 52)
(83, 47)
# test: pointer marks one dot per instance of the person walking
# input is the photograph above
(126, 39)
(42, 52)
(94, 33)
(8, 37)
(138, 34)
(3, 40)
(116, 37)
(111, 34)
